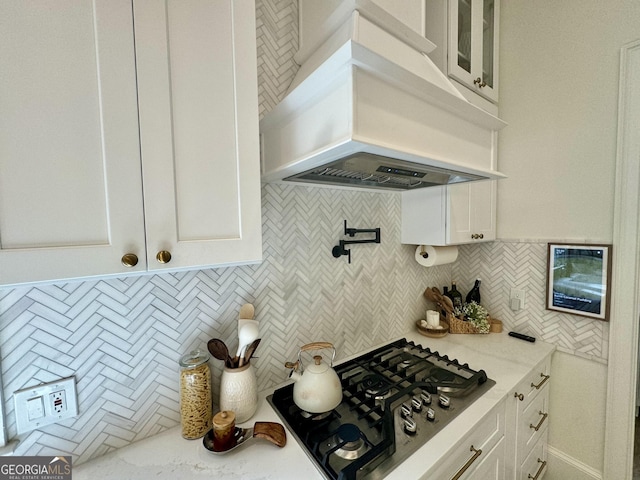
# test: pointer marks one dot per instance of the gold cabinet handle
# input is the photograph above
(163, 256)
(466, 466)
(544, 380)
(477, 236)
(519, 396)
(543, 463)
(537, 427)
(478, 81)
(129, 260)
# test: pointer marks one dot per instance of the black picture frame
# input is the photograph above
(578, 279)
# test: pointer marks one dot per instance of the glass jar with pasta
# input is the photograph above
(195, 394)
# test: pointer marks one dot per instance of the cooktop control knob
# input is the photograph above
(416, 404)
(444, 401)
(410, 426)
(426, 398)
(431, 414)
(405, 411)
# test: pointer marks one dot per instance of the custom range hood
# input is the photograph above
(369, 109)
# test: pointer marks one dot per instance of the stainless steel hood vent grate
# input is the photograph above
(376, 171)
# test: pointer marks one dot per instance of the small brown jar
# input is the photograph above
(224, 425)
(195, 394)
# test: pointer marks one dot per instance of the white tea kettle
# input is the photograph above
(317, 389)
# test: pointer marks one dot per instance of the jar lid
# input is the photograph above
(224, 419)
(194, 358)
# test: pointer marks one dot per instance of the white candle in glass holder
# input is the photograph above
(433, 319)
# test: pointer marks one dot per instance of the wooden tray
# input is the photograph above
(433, 332)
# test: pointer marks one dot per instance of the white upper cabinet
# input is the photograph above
(197, 94)
(466, 33)
(450, 215)
(473, 45)
(70, 202)
(75, 116)
(471, 212)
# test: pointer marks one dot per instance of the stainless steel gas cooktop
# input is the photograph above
(395, 399)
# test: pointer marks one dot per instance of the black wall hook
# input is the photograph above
(339, 249)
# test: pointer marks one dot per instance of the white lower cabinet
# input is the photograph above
(528, 425)
(127, 146)
(480, 455)
(534, 466)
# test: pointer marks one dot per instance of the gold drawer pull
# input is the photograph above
(466, 466)
(537, 427)
(544, 380)
(543, 463)
(163, 256)
(129, 260)
(519, 396)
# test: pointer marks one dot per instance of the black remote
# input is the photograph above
(522, 336)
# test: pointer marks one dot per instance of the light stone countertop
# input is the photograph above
(167, 456)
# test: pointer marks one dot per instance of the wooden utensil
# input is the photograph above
(219, 350)
(247, 311)
(248, 353)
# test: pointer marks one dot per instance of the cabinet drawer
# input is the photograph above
(483, 438)
(535, 382)
(535, 465)
(533, 423)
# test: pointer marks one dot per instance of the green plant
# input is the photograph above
(477, 315)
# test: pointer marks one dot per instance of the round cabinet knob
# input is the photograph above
(478, 81)
(129, 260)
(163, 256)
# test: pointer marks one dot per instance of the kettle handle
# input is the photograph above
(317, 346)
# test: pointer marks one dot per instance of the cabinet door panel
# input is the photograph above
(460, 213)
(484, 209)
(199, 130)
(70, 202)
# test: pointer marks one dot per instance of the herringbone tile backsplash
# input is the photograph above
(122, 338)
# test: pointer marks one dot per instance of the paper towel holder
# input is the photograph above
(423, 252)
(339, 249)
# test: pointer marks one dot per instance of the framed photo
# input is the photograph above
(578, 279)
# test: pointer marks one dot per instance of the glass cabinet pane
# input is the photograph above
(464, 34)
(488, 32)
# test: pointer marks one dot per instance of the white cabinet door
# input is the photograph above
(480, 455)
(473, 44)
(472, 212)
(70, 200)
(197, 81)
(450, 215)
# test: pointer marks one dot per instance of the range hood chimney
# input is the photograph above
(369, 109)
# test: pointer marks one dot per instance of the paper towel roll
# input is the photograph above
(436, 255)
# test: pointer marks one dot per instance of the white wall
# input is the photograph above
(559, 90)
(559, 85)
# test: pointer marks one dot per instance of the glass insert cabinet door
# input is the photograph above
(473, 44)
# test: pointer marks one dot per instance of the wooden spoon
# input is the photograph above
(247, 312)
(219, 350)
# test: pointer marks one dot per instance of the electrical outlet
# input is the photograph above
(45, 404)
(58, 401)
(516, 299)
